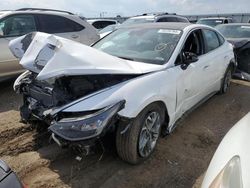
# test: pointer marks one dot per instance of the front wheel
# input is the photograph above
(139, 141)
(226, 80)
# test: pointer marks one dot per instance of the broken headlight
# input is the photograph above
(229, 176)
(82, 128)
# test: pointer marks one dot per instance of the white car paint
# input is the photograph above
(178, 89)
(234, 144)
(83, 59)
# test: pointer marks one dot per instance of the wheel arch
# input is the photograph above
(233, 64)
(162, 105)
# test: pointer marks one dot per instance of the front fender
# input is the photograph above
(138, 93)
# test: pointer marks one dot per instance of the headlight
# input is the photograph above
(81, 128)
(20, 80)
(229, 176)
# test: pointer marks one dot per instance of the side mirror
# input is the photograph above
(188, 58)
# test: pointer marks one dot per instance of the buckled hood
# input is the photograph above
(53, 56)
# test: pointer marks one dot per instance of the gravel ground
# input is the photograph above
(180, 159)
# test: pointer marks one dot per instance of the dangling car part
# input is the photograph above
(238, 34)
(136, 82)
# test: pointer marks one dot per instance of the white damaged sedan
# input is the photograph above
(137, 81)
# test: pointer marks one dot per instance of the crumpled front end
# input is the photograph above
(61, 74)
(48, 100)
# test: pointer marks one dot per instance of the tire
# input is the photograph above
(127, 144)
(226, 80)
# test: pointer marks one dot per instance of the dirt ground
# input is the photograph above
(179, 160)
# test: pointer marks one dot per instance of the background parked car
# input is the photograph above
(102, 23)
(23, 21)
(162, 17)
(239, 35)
(230, 166)
(214, 21)
(148, 18)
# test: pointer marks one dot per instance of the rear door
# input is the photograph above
(60, 26)
(215, 55)
(10, 28)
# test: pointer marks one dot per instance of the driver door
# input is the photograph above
(191, 81)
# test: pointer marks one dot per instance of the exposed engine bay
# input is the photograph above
(41, 95)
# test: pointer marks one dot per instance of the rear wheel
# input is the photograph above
(226, 80)
(139, 141)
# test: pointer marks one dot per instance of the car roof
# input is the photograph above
(143, 16)
(247, 24)
(162, 25)
(214, 18)
(152, 16)
(37, 11)
(94, 20)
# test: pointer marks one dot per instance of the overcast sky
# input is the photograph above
(93, 8)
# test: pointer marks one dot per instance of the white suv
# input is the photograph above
(23, 21)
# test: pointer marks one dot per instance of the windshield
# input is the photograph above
(212, 22)
(148, 45)
(234, 31)
(131, 21)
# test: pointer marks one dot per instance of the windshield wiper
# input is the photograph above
(126, 58)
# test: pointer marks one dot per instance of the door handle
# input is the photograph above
(75, 36)
(205, 67)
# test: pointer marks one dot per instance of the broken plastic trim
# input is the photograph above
(86, 127)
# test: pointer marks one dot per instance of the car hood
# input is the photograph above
(52, 56)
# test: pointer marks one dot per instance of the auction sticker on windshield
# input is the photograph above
(169, 31)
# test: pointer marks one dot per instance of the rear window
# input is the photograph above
(102, 24)
(57, 24)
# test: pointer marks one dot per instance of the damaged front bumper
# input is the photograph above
(75, 126)
(39, 105)
(87, 126)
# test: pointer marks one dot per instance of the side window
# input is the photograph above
(17, 25)
(194, 43)
(212, 40)
(97, 24)
(57, 24)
